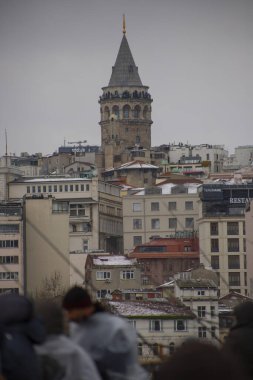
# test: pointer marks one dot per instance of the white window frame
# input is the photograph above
(136, 207)
(127, 274)
(178, 322)
(154, 323)
(102, 275)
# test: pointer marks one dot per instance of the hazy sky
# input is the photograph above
(55, 55)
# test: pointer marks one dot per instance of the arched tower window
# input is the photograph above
(126, 111)
(145, 112)
(137, 110)
(115, 111)
(106, 113)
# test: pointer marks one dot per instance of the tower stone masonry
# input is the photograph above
(125, 109)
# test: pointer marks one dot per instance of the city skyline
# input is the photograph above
(195, 56)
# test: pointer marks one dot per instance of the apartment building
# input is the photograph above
(159, 211)
(164, 325)
(11, 248)
(222, 238)
(104, 274)
(249, 245)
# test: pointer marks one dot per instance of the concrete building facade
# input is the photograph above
(222, 235)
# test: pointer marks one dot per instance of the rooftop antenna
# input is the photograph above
(124, 24)
(6, 144)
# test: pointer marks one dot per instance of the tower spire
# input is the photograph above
(124, 24)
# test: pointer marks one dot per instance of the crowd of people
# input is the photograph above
(80, 340)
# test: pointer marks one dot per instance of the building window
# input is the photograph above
(172, 206)
(244, 245)
(9, 228)
(201, 311)
(136, 207)
(154, 206)
(233, 245)
(87, 187)
(214, 228)
(8, 243)
(155, 349)
(137, 224)
(137, 240)
(189, 205)
(66, 188)
(9, 276)
(171, 348)
(234, 279)
(44, 189)
(155, 224)
(39, 189)
(85, 245)
(33, 189)
(28, 189)
(202, 332)
(180, 325)
(9, 290)
(189, 223)
(213, 331)
(50, 188)
(140, 349)
(9, 259)
(234, 262)
(201, 292)
(71, 187)
(77, 209)
(132, 322)
(82, 187)
(103, 275)
(215, 262)
(243, 228)
(214, 245)
(76, 187)
(126, 112)
(136, 112)
(212, 310)
(103, 293)
(232, 228)
(155, 325)
(173, 223)
(55, 188)
(245, 261)
(60, 188)
(127, 275)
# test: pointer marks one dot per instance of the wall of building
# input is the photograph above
(47, 246)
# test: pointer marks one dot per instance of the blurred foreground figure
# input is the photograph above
(109, 339)
(19, 331)
(240, 339)
(195, 360)
(74, 363)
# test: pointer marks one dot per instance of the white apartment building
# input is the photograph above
(222, 237)
(213, 153)
(161, 211)
(11, 248)
(163, 325)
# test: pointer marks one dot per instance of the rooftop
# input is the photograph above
(113, 260)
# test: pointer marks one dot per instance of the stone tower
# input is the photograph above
(125, 108)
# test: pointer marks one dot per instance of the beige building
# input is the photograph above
(222, 237)
(93, 210)
(160, 211)
(47, 247)
(104, 274)
(249, 245)
(11, 248)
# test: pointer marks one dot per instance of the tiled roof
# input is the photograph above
(146, 309)
(125, 72)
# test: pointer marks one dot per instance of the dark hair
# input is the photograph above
(76, 298)
(196, 360)
(52, 316)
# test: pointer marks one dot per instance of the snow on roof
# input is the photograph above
(68, 179)
(137, 165)
(113, 260)
(145, 309)
(192, 188)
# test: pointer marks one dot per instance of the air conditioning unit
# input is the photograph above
(108, 281)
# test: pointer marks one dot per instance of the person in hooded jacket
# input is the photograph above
(109, 339)
(74, 362)
(240, 339)
(19, 331)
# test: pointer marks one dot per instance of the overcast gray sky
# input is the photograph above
(55, 55)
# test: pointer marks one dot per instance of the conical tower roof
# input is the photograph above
(125, 72)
